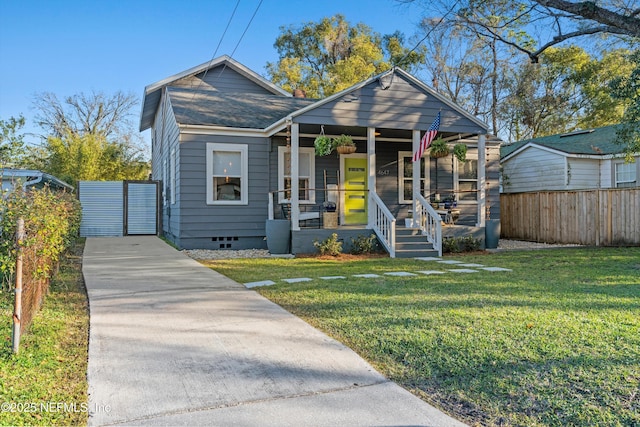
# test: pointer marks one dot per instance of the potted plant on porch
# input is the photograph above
(323, 145)
(439, 148)
(344, 144)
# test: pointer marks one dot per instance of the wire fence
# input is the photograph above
(31, 284)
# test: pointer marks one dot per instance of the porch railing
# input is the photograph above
(429, 222)
(383, 223)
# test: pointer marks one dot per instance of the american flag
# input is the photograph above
(425, 142)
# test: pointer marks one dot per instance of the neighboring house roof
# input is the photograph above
(30, 178)
(255, 111)
(153, 92)
(591, 142)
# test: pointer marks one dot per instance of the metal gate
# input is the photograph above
(118, 208)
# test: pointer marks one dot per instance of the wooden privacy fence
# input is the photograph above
(590, 217)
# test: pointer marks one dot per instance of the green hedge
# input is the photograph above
(52, 223)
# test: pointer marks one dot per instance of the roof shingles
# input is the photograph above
(235, 110)
(599, 141)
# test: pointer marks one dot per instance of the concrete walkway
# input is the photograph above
(175, 343)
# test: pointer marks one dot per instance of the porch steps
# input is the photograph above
(410, 243)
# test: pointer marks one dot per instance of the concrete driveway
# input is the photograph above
(175, 343)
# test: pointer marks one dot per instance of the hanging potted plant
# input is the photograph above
(323, 145)
(439, 148)
(460, 151)
(344, 144)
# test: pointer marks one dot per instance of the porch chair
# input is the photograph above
(303, 216)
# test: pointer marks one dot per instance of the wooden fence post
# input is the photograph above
(17, 311)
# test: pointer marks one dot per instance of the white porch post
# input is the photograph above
(295, 172)
(371, 181)
(482, 193)
(415, 139)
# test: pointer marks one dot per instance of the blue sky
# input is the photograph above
(72, 46)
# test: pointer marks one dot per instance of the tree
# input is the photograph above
(469, 68)
(88, 137)
(623, 20)
(561, 20)
(82, 114)
(11, 141)
(564, 92)
(322, 58)
(89, 157)
(628, 88)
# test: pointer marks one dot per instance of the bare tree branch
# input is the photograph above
(625, 24)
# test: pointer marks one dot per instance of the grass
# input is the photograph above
(51, 367)
(555, 342)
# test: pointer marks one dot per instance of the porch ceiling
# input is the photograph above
(357, 131)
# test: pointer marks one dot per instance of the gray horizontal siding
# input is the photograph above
(403, 106)
(534, 170)
(199, 221)
(224, 79)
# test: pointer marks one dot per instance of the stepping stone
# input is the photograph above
(262, 283)
(463, 270)
(427, 258)
(470, 265)
(495, 269)
(332, 277)
(431, 272)
(450, 261)
(400, 273)
(366, 276)
(297, 280)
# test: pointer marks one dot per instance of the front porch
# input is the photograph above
(302, 240)
(400, 237)
(379, 186)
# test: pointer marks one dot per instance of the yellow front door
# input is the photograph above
(355, 186)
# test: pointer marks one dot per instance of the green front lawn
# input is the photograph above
(556, 341)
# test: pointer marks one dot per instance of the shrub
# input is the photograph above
(460, 244)
(51, 222)
(363, 245)
(329, 246)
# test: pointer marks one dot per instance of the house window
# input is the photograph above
(306, 175)
(466, 179)
(405, 176)
(227, 180)
(625, 175)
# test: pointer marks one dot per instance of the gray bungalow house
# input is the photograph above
(234, 152)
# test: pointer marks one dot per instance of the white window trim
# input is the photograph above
(164, 182)
(243, 149)
(172, 176)
(424, 174)
(616, 183)
(312, 179)
(456, 180)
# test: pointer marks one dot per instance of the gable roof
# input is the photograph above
(153, 92)
(378, 79)
(271, 113)
(592, 142)
(254, 111)
(35, 178)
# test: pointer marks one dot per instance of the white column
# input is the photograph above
(295, 172)
(482, 183)
(371, 165)
(415, 139)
